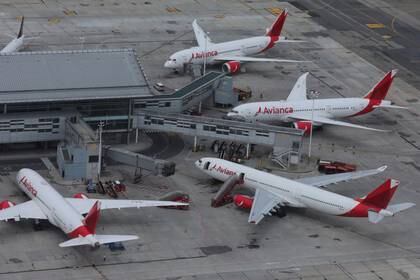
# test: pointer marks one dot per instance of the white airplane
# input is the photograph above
(17, 43)
(274, 193)
(231, 53)
(300, 110)
(67, 213)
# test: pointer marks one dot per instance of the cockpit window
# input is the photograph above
(234, 111)
(206, 165)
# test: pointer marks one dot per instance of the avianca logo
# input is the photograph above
(274, 110)
(28, 186)
(202, 54)
(224, 170)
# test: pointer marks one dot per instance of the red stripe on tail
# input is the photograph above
(277, 26)
(380, 90)
(381, 196)
(376, 200)
(92, 217)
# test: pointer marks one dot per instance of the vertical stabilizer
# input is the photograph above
(277, 26)
(92, 217)
(380, 90)
(381, 196)
(20, 33)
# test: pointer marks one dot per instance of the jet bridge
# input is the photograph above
(141, 162)
(286, 142)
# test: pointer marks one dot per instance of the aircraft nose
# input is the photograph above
(198, 163)
(166, 64)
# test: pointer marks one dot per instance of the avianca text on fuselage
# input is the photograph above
(199, 55)
(274, 110)
(223, 170)
(28, 185)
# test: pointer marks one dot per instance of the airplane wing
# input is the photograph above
(84, 205)
(200, 35)
(324, 120)
(254, 59)
(324, 180)
(26, 210)
(264, 202)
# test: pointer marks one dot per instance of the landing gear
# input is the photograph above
(281, 212)
(37, 225)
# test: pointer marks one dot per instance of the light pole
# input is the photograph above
(100, 126)
(313, 94)
(205, 53)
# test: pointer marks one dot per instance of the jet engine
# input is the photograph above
(243, 201)
(6, 204)
(80, 195)
(231, 67)
(303, 125)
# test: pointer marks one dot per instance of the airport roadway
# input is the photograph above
(347, 58)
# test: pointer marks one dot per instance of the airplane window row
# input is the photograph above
(328, 203)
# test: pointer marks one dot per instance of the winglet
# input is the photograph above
(382, 168)
(298, 92)
(20, 34)
(277, 26)
(202, 37)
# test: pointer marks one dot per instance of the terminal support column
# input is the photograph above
(137, 135)
(248, 150)
(195, 144)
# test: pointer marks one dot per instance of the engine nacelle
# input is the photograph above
(80, 195)
(243, 201)
(6, 204)
(231, 67)
(303, 125)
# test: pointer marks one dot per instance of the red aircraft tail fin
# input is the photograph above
(92, 217)
(277, 26)
(381, 196)
(380, 90)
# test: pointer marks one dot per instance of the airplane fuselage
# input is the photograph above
(296, 194)
(282, 111)
(59, 212)
(197, 55)
(13, 46)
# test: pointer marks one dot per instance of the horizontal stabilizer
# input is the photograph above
(290, 41)
(96, 240)
(389, 106)
(374, 217)
(396, 208)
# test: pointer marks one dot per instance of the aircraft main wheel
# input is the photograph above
(281, 212)
(37, 225)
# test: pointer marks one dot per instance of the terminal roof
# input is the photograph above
(71, 76)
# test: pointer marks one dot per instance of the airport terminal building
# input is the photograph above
(62, 96)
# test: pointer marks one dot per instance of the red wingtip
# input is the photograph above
(92, 217)
(277, 26)
(380, 90)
